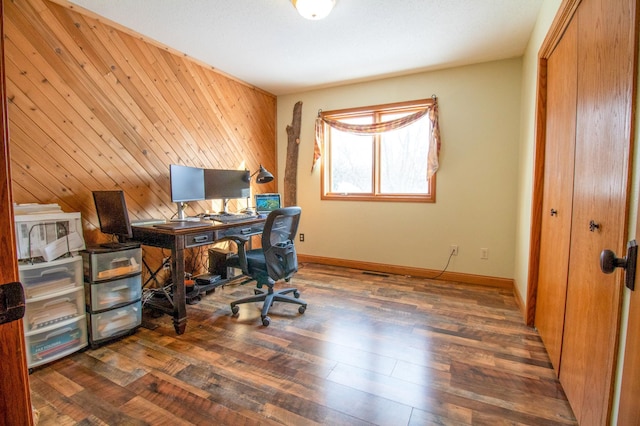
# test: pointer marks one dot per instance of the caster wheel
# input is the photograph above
(301, 309)
(235, 310)
(266, 321)
(296, 294)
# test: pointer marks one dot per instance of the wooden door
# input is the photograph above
(15, 405)
(605, 95)
(557, 194)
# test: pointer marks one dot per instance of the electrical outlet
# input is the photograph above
(302, 237)
(484, 253)
(453, 250)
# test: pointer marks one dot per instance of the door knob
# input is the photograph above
(609, 262)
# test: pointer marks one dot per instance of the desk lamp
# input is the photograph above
(264, 176)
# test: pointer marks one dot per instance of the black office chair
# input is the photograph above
(276, 260)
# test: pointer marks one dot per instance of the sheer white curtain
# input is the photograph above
(381, 127)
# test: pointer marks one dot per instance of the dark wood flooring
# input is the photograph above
(369, 350)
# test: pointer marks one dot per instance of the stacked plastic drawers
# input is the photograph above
(113, 289)
(55, 324)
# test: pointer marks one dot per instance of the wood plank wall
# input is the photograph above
(93, 107)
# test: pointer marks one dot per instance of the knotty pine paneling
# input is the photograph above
(92, 107)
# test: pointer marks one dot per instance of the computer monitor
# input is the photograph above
(112, 214)
(220, 184)
(187, 184)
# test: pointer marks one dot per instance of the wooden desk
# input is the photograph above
(180, 238)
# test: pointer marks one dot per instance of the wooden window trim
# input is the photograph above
(375, 110)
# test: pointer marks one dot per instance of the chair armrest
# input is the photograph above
(241, 243)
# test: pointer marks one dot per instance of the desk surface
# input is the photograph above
(190, 235)
(203, 225)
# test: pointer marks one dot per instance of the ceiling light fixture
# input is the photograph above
(314, 9)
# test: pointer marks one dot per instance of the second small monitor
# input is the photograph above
(226, 184)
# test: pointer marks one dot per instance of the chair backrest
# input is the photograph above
(278, 239)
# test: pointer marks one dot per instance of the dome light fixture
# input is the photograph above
(314, 9)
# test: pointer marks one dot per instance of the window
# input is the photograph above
(386, 166)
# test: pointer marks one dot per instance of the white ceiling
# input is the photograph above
(267, 44)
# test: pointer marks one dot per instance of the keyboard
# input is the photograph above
(229, 217)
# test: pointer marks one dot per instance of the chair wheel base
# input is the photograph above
(269, 298)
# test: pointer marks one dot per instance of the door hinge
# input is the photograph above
(11, 302)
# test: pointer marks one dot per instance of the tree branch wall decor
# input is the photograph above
(291, 166)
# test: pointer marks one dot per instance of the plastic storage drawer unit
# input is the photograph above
(45, 311)
(113, 288)
(111, 294)
(43, 279)
(55, 322)
(102, 263)
(115, 322)
(53, 343)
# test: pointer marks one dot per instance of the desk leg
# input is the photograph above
(177, 279)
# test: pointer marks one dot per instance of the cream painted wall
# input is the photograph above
(477, 183)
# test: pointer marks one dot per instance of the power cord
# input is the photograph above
(444, 270)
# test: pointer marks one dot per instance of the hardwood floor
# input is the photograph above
(369, 350)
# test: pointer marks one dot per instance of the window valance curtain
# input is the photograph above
(386, 126)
